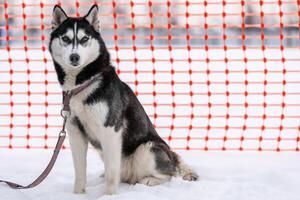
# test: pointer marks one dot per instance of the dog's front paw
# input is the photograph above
(191, 176)
(79, 185)
(79, 190)
(110, 190)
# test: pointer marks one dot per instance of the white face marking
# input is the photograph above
(75, 32)
(88, 51)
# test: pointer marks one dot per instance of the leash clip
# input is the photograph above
(62, 133)
(64, 113)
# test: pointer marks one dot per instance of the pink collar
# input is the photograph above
(67, 95)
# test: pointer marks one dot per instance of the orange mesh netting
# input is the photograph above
(212, 75)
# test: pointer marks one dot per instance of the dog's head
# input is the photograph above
(75, 42)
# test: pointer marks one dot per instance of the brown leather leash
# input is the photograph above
(65, 113)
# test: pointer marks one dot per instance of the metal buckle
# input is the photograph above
(64, 113)
(62, 133)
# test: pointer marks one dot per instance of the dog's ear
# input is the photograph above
(92, 17)
(59, 16)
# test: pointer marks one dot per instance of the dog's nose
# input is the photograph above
(74, 58)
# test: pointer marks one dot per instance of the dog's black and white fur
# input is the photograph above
(107, 114)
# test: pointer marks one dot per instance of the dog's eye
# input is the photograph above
(66, 39)
(84, 40)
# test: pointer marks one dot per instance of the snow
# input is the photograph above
(223, 175)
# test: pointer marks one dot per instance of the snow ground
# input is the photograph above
(224, 175)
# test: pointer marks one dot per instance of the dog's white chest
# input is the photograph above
(92, 116)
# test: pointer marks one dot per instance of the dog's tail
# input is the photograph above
(185, 171)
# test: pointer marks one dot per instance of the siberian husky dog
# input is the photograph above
(107, 114)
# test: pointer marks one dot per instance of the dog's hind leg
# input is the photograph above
(149, 165)
(78, 144)
(165, 165)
